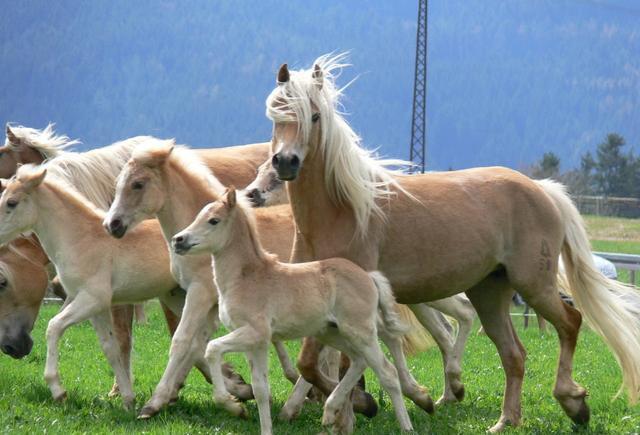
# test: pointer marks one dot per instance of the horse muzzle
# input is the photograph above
(116, 228)
(256, 198)
(17, 347)
(286, 166)
(182, 245)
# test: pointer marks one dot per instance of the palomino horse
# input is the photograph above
(262, 299)
(487, 230)
(23, 284)
(171, 183)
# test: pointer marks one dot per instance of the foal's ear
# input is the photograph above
(231, 197)
(158, 158)
(34, 179)
(283, 74)
(317, 75)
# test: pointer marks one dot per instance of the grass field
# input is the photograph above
(26, 406)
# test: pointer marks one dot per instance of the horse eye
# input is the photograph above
(315, 117)
(137, 185)
(214, 221)
(3, 283)
(12, 203)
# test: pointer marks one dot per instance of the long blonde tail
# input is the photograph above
(607, 305)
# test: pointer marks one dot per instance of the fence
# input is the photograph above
(608, 206)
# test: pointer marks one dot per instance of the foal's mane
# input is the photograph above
(248, 215)
(354, 176)
(44, 141)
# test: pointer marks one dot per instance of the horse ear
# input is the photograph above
(34, 179)
(283, 74)
(317, 75)
(11, 136)
(231, 197)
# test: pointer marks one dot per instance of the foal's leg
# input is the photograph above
(363, 402)
(243, 339)
(122, 316)
(81, 308)
(199, 303)
(287, 368)
(460, 309)
(410, 388)
(492, 299)
(259, 358)
(102, 323)
(433, 322)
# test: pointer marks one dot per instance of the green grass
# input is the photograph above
(26, 406)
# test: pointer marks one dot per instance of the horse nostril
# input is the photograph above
(116, 223)
(275, 160)
(178, 239)
(295, 161)
(253, 194)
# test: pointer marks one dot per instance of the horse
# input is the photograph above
(94, 173)
(171, 183)
(262, 299)
(486, 231)
(23, 284)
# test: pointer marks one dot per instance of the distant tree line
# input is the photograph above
(612, 171)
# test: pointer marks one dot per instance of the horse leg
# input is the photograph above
(434, 322)
(410, 388)
(102, 323)
(81, 308)
(461, 309)
(122, 317)
(243, 339)
(287, 368)
(172, 319)
(308, 359)
(141, 316)
(492, 300)
(546, 300)
(259, 359)
(199, 302)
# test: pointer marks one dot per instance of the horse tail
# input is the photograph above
(386, 304)
(416, 340)
(610, 307)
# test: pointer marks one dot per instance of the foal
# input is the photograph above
(262, 299)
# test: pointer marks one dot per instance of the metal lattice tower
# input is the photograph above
(418, 121)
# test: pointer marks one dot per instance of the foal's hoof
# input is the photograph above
(426, 403)
(459, 393)
(147, 412)
(581, 418)
(364, 403)
(236, 409)
(60, 397)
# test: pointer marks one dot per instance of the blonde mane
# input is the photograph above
(93, 173)
(354, 176)
(45, 141)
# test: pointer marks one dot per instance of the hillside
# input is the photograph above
(507, 80)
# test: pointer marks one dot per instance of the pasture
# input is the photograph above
(26, 405)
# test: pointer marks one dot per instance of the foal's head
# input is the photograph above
(18, 211)
(267, 189)
(22, 287)
(140, 192)
(211, 229)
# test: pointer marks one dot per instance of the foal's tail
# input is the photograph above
(609, 306)
(387, 304)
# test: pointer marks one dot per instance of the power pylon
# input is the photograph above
(418, 122)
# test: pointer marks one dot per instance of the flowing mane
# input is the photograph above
(93, 173)
(45, 141)
(182, 158)
(354, 176)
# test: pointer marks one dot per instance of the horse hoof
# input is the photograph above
(426, 404)
(459, 393)
(146, 413)
(60, 397)
(581, 418)
(364, 403)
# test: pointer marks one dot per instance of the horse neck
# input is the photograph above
(185, 194)
(63, 220)
(31, 248)
(29, 155)
(242, 252)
